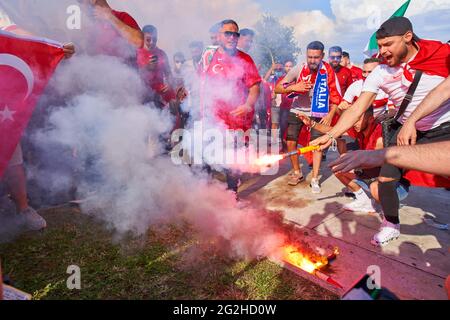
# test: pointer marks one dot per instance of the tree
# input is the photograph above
(274, 42)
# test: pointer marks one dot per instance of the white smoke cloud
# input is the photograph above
(180, 22)
(128, 181)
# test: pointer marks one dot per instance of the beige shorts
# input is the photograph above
(17, 158)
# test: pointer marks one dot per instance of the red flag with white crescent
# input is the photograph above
(26, 66)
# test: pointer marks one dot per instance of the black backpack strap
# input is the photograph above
(409, 96)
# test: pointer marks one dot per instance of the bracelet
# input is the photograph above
(330, 136)
(334, 146)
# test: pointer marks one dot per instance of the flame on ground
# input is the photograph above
(294, 256)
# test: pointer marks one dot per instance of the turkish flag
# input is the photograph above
(26, 65)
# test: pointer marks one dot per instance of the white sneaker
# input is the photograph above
(360, 206)
(388, 232)
(32, 220)
(315, 186)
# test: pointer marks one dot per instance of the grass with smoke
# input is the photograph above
(165, 264)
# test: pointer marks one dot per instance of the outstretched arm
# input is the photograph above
(432, 158)
(347, 120)
(132, 35)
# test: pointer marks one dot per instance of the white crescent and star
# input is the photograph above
(216, 67)
(6, 114)
(21, 66)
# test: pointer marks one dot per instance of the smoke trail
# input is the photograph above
(111, 148)
(131, 184)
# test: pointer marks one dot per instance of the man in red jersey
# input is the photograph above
(232, 85)
(343, 74)
(155, 68)
(356, 72)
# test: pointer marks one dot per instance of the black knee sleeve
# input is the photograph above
(389, 201)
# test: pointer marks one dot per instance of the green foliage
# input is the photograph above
(274, 41)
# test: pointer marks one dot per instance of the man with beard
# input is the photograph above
(231, 86)
(408, 60)
(306, 81)
(343, 74)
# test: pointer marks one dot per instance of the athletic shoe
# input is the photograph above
(295, 179)
(388, 233)
(32, 220)
(360, 206)
(315, 186)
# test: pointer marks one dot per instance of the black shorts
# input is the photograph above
(295, 126)
(439, 134)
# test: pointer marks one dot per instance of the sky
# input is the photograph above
(348, 23)
(285, 7)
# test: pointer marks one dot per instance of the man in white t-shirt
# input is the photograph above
(15, 176)
(404, 54)
(381, 103)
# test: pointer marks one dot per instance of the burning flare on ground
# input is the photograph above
(295, 257)
(310, 263)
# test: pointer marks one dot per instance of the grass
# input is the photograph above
(167, 263)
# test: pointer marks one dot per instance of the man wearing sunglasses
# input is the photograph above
(231, 85)
(405, 54)
(344, 75)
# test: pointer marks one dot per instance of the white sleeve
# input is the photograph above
(5, 21)
(374, 81)
(354, 91)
